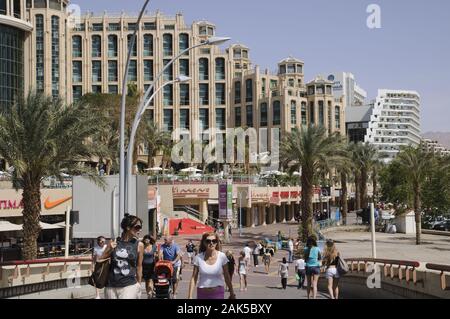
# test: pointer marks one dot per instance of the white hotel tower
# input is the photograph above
(395, 122)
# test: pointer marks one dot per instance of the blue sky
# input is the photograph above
(410, 51)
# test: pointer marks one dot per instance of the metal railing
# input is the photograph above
(443, 269)
(401, 269)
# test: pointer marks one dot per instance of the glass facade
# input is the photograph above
(168, 95)
(204, 94)
(263, 110)
(184, 119)
(168, 120)
(276, 113)
(148, 70)
(148, 45)
(96, 71)
(293, 113)
(96, 46)
(77, 71)
(184, 67)
(203, 69)
(112, 71)
(168, 73)
(249, 90)
(204, 119)
(112, 46)
(237, 93)
(77, 47)
(337, 117)
(304, 115)
(249, 115)
(132, 71)
(167, 45)
(220, 69)
(11, 64)
(220, 119)
(184, 94)
(134, 49)
(220, 93)
(40, 47)
(184, 42)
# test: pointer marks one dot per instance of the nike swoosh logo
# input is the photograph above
(52, 204)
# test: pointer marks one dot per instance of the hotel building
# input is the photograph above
(395, 122)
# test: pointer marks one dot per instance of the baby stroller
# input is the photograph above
(162, 281)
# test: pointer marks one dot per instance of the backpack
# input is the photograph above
(342, 266)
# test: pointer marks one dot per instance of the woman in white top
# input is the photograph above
(283, 271)
(210, 270)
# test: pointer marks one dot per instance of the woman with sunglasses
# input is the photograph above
(210, 270)
(127, 254)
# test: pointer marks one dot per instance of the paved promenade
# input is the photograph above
(435, 249)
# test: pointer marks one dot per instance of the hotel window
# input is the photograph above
(220, 93)
(276, 113)
(132, 71)
(249, 90)
(291, 82)
(204, 119)
(96, 71)
(40, 4)
(237, 54)
(168, 73)
(167, 45)
(54, 4)
(148, 70)
(263, 109)
(337, 116)
(184, 67)
(293, 113)
(283, 69)
(132, 26)
(77, 47)
(112, 71)
(184, 119)
(96, 46)
(299, 68)
(291, 68)
(168, 95)
(263, 87)
(114, 27)
(202, 30)
(203, 67)
(249, 115)
(220, 69)
(320, 90)
(146, 87)
(273, 84)
(237, 116)
(220, 119)
(204, 94)
(321, 113)
(96, 89)
(134, 49)
(304, 114)
(311, 113)
(184, 94)
(328, 88)
(168, 120)
(77, 92)
(97, 27)
(184, 42)
(113, 89)
(237, 92)
(149, 26)
(112, 46)
(148, 45)
(55, 56)
(311, 90)
(77, 71)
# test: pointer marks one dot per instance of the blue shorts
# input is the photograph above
(313, 271)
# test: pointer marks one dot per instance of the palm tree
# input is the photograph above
(154, 139)
(415, 164)
(40, 138)
(345, 168)
(364, 156)
(311, 149)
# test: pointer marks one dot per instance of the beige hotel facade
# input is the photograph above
(47, 53)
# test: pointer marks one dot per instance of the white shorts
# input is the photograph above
(129, 292)
(332, 273)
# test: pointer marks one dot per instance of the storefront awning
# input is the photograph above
(6, 226)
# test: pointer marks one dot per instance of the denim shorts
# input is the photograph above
(312, 271)
(332, 273)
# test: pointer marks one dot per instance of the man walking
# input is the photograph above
(291, 251)
(171, 252)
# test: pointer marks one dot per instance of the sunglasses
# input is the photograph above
(211, 241)
(137, 227)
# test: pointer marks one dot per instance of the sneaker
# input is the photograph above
(98, 297)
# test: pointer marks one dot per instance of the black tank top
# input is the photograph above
(123, 264)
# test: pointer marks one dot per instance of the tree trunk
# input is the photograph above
(108, 167)
(344, 195)
(357, 191)
(307, 205)
(363, 189)
(417, 214)
(31, 197)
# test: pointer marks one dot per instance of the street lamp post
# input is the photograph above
(122, 118)
(144, 103)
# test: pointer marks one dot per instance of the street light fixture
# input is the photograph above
(122, 117)
(143, 105)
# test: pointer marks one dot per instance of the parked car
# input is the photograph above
(444, 226)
